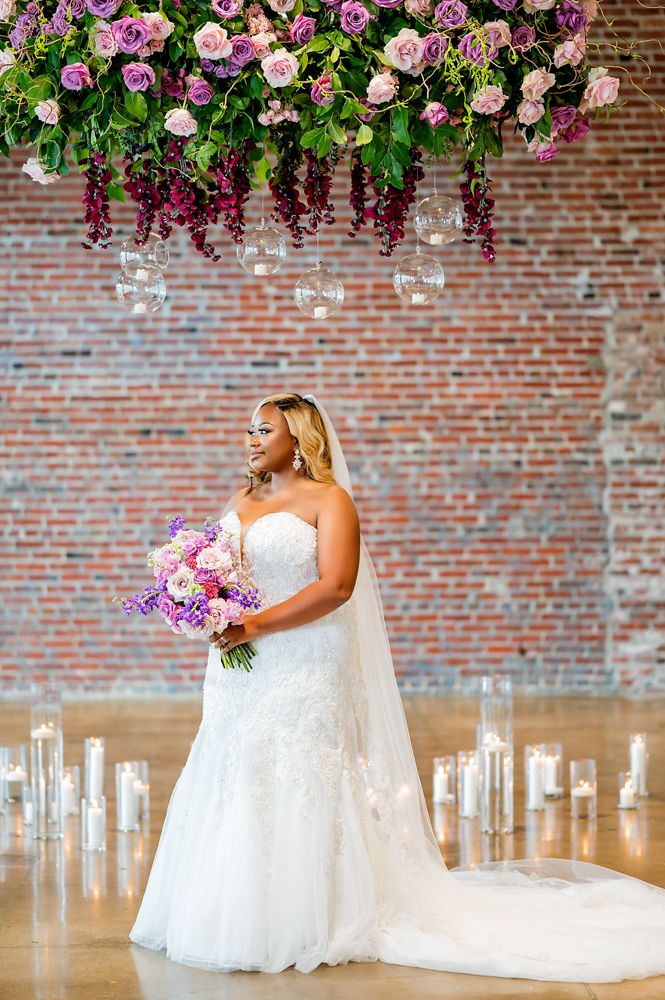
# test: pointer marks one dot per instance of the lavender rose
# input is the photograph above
(385, 3)
(506, 4)
(138, 76)
(450, 13)
(355, 17)
(574, 132)
(562, 116)
(243, 50)
(102, 8)
(435, 49)
(571, 16)
(227, 8)
(435, 114)
(321, 91)
(302, 29)
(524, 37)
(173, 85)
(131, 33)
(366, 104)
(200, 92)
(75, 76)
(471, 48)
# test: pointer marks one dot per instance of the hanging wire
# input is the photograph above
(263, 218)
(417, 206)
(318, 255)
(435, 177)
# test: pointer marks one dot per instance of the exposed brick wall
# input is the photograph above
(506, 443)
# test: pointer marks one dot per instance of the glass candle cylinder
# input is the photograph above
(553, 768)
(127, 795)
(496, 711)
(443, 781)
(639, 762)
(4, 757)
(94, 767)
(144, 790)
(46, 706)
(497, 788)
(627, 796)
(27, 808)
(583, 789)
(468, 783)
(46, 782)
(16, 774)
(534, 775)
(93, 824)
(71, 790)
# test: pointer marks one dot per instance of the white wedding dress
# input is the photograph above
(298, 834)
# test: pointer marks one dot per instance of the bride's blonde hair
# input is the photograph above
(304, 423)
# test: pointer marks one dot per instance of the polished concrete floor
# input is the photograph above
(65, 914)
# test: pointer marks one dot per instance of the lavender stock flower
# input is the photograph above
(176, 524)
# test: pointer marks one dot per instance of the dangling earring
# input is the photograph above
(297, 463)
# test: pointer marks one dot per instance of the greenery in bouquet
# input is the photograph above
(204, 101)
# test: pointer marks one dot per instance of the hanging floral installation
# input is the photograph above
(199, 99)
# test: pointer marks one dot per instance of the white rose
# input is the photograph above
(34, 169)
(7, 9)
(7, 60)
(203, 631)
(48, 112)
(180, 583)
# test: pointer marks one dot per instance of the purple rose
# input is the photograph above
(302, 30)
(571, 16)
(75, 76)
(227, 8)
(575, 132)
(102, 8)
(435, 49)
(546, 154)
(321, 91)
(170, 611)
(76, 8)
(200, 92)
(435, 114)
(506, 4)
(225, 70)
(138, 76)
(207, 65)
(243, 50)
(366, 104)
(562, 116)
(471, 48)
(523, 37)
(335, 5)
(387, 3)
(205, 575)
(450, 13)
(355, 17)
(131, 33)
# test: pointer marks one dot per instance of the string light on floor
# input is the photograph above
(318, 293)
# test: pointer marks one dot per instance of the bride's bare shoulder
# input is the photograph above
(332, 498)
(234, 501)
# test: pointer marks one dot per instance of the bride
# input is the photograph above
(298, 832)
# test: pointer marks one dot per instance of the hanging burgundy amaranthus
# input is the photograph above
(478, 207)
(142, 187)
(95, 199)
(233, 189)
(358, 199)
(185, 201)
(284, 187)
(391, 209)
(317, 191)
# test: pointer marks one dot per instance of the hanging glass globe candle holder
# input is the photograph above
(262, 251)
(418, 278)
(142, 294)
(438, 220)
(133, 258)
(318, 293)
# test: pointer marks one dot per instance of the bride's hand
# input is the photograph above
(235, 635)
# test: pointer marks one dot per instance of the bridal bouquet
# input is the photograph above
(197, 590)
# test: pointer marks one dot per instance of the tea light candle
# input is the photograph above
(260, 269)
(418, 298)
(320, 312)
(142, 273)
(583, 791)
(43, 733)
(436, 239)
(627, 796)
(16, 775)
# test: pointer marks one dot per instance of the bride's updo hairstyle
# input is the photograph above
(304, 423)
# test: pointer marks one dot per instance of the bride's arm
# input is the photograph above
(338, 556)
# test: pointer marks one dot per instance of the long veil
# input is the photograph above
(547, 919)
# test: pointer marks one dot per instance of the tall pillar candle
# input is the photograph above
(94, 767)
(126, 775)
(638, 762)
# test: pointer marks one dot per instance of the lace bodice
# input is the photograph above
(279, 554)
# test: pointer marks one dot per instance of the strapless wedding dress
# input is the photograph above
(282, 847)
